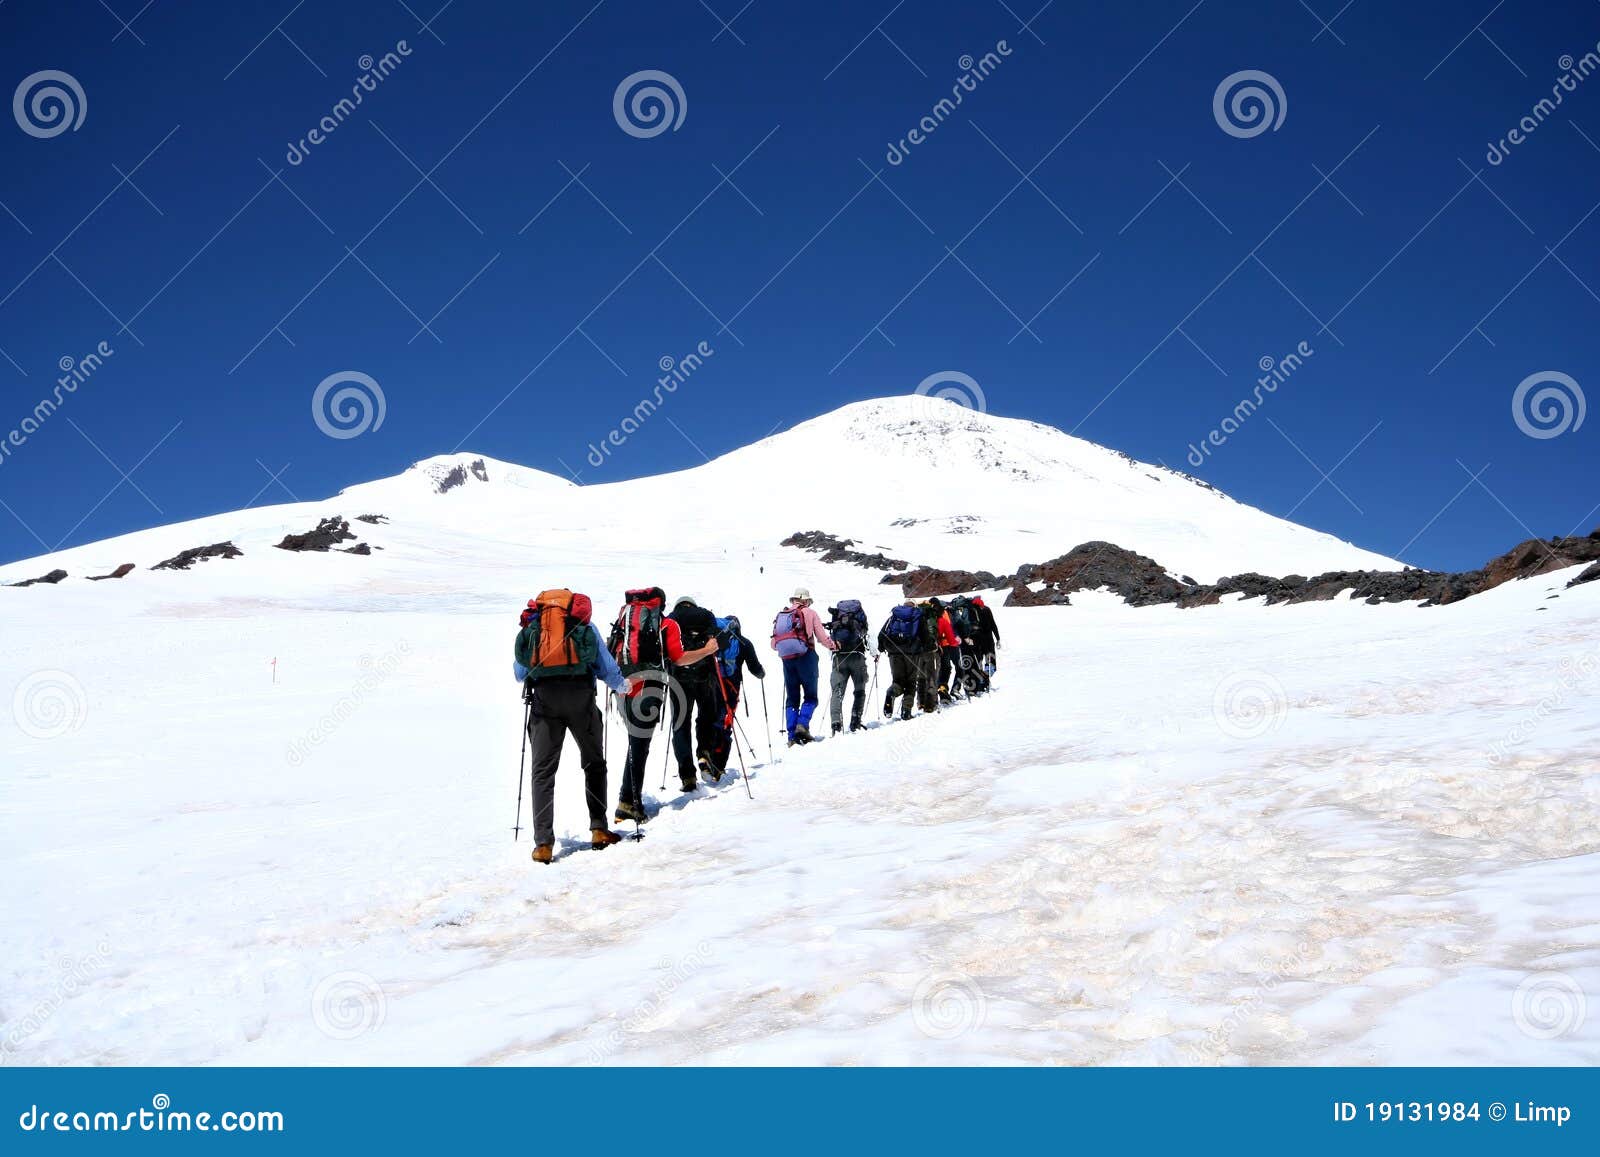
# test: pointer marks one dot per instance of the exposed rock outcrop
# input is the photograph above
(329, 533)
(374, 519)
(121, 572)
(835, 549)
(50, 579)
(185, 559)
(445, 481)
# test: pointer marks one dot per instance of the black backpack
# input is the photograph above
(848, 627)
(698, 626)
(963, 617)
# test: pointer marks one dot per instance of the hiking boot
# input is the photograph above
(601, 838)
(629, 811)
(836, 729)
(687, 782)
(707, 772)
(802, 734)
(543, 854)
(945, 696)
(888, 707)
(857, 725)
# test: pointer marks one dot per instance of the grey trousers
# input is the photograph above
(845, 668)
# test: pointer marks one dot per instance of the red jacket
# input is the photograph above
(947, 633)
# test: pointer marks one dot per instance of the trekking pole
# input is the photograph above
(527, 718)
(739, 749)
(872, 696)
(767, 717)
(666, 744)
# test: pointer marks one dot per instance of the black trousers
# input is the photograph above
(698, 707)
(561, 706)
(641, 716)
(972, 672)
(911, 677)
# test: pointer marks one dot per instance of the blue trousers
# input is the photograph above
(799, 690)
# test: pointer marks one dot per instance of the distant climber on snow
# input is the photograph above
(909, 639)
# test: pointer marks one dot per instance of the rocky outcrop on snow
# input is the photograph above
(185, 559)
(1143, 582)
(327, 534)
(50, 579)
(373, 519)
(833, 549)
(121, 572)
(445, 481)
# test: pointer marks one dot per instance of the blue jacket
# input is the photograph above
(604, 669)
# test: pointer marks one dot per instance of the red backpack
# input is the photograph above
(635, 640)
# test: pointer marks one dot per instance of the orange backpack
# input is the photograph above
(557, 639)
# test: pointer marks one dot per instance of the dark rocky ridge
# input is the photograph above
(50, 579)
(185, 559)
(327, 534)
(835, 549)
(1143, 582)
(457, 476)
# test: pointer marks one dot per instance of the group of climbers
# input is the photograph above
(937, 650)
(696, 661)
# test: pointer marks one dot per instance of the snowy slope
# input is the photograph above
(921, 479)
(1324, 833)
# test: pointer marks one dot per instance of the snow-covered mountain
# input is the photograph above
(917, 478)
(259, 812)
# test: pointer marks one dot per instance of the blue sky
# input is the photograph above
(1081, 237)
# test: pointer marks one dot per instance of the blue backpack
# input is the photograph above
(728, 647)
(905, 628)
